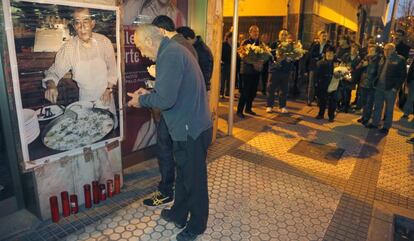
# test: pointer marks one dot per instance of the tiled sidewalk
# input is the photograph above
(271, 182)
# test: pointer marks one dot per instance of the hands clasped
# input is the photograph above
(134, 102)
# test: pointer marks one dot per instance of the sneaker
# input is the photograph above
(167, 215)
(157, 199)
(186, 235)
(283, 110)
(268, 109)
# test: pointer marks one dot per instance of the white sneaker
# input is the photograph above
(268, 109)
(283, 110)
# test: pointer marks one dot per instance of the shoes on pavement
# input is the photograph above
(331, 119)
(158, 199)
(384, 131)
(268, 109)
(166, 214)
(360, 120)
(319, 117)
(372, 126)
(250, 112)
(240, 115)
(283, 110)
(186, 235)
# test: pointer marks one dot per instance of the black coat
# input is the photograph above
(410, 74)
(314, 54)
(323, 74)
(205, 60)
(247, 68)
(396, 71)
(403, 49)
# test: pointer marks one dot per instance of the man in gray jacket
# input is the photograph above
(180, 94)
(391, 75)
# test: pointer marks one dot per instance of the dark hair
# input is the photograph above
(187, 32)
(164, 22)
(400, 31)
(228, 35)
(330, 49)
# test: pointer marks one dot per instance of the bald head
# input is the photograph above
(147, 39)
(254, 32)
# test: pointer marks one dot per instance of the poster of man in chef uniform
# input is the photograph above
(67, 82)
(140, 124)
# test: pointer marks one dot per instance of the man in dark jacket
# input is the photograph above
(401, 48)
(279, 76)
(181, 96)
(249, 77)
(316, 52)
(205, 57)
(323, 76)
(391, 75)
(164, 153)
(370, 66)
(408, 106)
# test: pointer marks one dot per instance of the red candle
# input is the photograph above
(102, 192)
(87, 194)
(74, 204)
(65, 204)
(54, 208)
(95, 190)
(117, 184)
(109, 188)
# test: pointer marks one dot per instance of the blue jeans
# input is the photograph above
(408, 106)
(279, 80)
(165, 158)
(381, 97)
(367, 102)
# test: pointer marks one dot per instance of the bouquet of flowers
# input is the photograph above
(290, 50)
(341, 72)
(255, 55)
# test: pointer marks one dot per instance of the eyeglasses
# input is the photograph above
(77, 23)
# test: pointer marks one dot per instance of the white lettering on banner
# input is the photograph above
(129, 36)
(131, 56)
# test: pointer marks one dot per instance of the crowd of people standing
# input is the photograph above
(333, 71)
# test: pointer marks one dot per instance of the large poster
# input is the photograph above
(66, 74)
(140, 124)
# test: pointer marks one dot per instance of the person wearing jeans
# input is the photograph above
(369, 76)
(279, 75)
(408, 106)
(392, 73)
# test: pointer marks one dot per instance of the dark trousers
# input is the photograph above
(358, 97)
(264, 78)
(366, 99)
(225, 80)
(311, 87)
(191, 193)
(324, 99)
(345, 100)
(279, 81)
(248, 91)
(165, 158)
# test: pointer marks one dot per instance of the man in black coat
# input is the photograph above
(401, 48)
(205, 57)
(249, 77)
